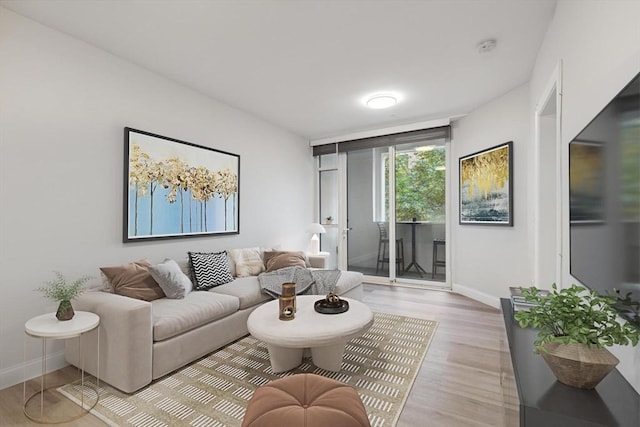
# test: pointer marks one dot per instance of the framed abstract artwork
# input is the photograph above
(176, 189)
(486, 186)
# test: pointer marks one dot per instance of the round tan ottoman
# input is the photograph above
(305, 400)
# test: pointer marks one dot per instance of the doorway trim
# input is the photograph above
(551, 96)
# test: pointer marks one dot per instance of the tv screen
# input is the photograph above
(604, 198)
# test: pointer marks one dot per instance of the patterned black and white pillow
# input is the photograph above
(210, 269)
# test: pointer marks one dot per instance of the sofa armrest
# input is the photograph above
(126, 340)
(318, 260)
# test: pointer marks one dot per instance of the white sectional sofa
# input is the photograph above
(141, 341)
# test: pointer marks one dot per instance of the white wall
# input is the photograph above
(598, 43)
(63, 106)
(488, 259)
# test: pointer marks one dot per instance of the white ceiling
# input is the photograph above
(305, 65)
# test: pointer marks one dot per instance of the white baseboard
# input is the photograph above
(476, 295)
(31, 369)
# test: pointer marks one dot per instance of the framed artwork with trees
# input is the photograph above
(486, 186)
(176, 189)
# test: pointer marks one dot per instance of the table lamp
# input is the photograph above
(316, 229)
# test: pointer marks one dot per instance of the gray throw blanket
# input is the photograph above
(312, 282)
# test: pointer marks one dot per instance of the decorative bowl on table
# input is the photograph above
(331, 304)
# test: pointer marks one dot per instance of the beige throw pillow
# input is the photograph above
(249, 268)
(280, 259)
(248, 262)
(133, 280)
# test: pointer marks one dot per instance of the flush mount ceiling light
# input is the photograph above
(381, 101)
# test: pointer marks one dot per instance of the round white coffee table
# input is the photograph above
(325, 334)
(47, 327)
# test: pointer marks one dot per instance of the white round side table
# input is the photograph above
(45, 327)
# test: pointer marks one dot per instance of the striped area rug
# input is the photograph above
(215, 390)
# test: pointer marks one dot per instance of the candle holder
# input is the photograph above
(287, 301)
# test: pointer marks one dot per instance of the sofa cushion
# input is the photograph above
(185, 267)
(307, 399)
(248, 261)
(246, 289)
(275, 260)
(174, 283)
(347, 281)
(133, 280)
(172, 317)
(249, 268)
(210, 269)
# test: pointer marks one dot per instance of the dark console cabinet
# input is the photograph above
(545, 402)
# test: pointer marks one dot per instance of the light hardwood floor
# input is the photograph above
(459, 381)
(457, 385)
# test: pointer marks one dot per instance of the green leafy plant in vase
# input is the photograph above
(575, 325)
(60, 290)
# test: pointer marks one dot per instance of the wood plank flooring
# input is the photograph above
(459, 381)
(457, 385)
(11, 400)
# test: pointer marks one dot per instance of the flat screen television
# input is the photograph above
(604, 199)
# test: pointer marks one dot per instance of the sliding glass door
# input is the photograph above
(367, 194)
(408, 243)
(420, 214)
(389, 196)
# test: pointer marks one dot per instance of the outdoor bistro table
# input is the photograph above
(414, 262)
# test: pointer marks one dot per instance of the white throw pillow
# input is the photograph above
(248, 261)
(174, 283)
(249, 268)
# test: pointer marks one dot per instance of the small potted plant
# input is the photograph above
(575, 325)
(60, 290)
(328, 220)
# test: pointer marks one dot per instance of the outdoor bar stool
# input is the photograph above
(437, 261)
(383, 249)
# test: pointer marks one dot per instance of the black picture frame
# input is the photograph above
(486, 186)
(177, 189)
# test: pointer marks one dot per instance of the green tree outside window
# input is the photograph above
(420, 185)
